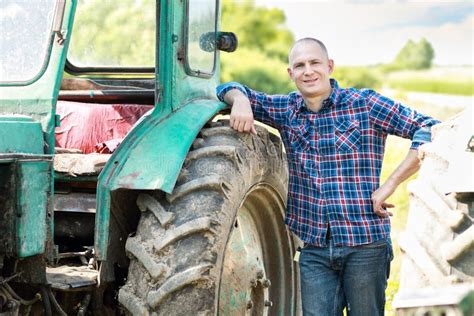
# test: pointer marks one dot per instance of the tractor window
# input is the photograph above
(113, 34)
(201, 37)
(25, 28)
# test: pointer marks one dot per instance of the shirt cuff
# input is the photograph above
(421, 136)
(222, 89)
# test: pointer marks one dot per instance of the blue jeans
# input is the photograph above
(333, 278)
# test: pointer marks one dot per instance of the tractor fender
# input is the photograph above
(150, 158)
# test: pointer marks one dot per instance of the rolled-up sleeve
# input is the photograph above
(269, 109)
(222, 89)
(395, 118)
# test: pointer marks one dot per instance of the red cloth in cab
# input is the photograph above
(95, 127)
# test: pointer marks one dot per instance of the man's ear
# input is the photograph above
(290, 72)
(331, 66)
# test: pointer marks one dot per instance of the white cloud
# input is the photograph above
(374, 31)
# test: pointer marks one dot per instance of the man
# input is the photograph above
(334, 139)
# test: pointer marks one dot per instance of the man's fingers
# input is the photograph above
(253, 130)
(250, 127)
(377, 205)
(247, 126)
(383, 213)
(241, 126)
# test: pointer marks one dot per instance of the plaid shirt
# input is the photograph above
(335, 158)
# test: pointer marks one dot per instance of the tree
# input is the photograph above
(114, 33)
(415, 55)
(264, 42)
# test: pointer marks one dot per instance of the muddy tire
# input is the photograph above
(218, 243)
(438, 244)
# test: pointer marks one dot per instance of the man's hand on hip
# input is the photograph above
(407, 167)
(241, 116)
(379, 197)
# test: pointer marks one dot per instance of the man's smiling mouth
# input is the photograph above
(311, 80)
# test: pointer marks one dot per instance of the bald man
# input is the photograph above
(334, 140)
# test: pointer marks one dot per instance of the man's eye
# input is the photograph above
(298, 66)
(314, 62)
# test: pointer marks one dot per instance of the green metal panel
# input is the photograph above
(20, 134)
(163, 149)
(25, 182)
(32, 192)
(150, 158)
(7, 207)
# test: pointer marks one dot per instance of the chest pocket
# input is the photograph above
(347, 135)
(299, 137)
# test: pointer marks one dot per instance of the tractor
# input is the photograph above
(437, 272)
(123, 188)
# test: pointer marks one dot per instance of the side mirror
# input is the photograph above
(226, 41)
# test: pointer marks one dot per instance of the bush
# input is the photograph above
(357, 77)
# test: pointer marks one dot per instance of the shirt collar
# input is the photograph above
(331, 100)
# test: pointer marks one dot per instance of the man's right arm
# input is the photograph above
(241, 115)
(248, 104)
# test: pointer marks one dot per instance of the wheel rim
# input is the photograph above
(258, 272)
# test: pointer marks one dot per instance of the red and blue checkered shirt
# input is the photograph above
(335, 157)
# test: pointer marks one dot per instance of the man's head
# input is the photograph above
(310, 67)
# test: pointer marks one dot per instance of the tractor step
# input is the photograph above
(66, 278)
(80, 164)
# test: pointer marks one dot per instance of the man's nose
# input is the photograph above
(308, 69)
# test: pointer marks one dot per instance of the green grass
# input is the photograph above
(433, 86)
(446, 80)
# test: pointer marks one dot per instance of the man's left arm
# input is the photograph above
(396, 119)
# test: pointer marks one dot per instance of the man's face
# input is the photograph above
(310, 69)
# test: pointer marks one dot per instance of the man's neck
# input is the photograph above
(315, 103)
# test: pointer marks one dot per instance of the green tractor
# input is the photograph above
(184, 216)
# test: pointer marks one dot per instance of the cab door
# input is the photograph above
(33, 40)
(33, 43)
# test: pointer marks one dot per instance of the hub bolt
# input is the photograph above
(268, 303)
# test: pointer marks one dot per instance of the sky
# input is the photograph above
(364, 32)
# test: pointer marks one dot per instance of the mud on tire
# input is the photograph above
(181, 256)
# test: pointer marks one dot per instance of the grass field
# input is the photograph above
(446, 80)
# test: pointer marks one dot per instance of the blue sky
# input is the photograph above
(370, 32)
